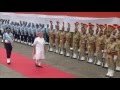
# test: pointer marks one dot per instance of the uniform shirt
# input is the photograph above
(22, 30)
(1, 29)
(18, 29)
(15, 29)
(118, 42)
(38, 30)
(4, 26)
(29, 31)
(68, 37)
(43, 30)
(25, 30)
(32, 31)
(8, 37)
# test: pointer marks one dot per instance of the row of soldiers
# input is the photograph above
(25, 33)
(101, 48)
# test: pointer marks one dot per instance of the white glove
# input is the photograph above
(105, 50)
(115, 57)
(86, 52)
(78, 50)
(102, 51)
(71, 48)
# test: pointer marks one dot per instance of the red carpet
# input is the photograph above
(25, 66)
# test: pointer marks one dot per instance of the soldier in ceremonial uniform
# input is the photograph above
(51, 36)
(62, 40)
(57, 38)
(91, 44)
(29, 34)
(76, 39)
(97, 30)
(25, 34)
(0, 29)
(83, 42)
(68, 41)
(22, 33)
(47, 33)
(99, 47)
(106, 41)
(118, 42)
(18, 33)
(33, 30)
(15, 31)
(43, 30)
(111, 56)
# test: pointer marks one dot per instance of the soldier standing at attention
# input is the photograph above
(25, 34)
(22, 33)
(18, 32)
(99, 47)
(76, 39)
(62, 40)
(32, 34)
(118, 42)
(68, 41)
(106, 41)
(57, 38)
(47, 33)
(29, 34)
(111, 56)
(83, 42)
(51, 36)
(91, 44)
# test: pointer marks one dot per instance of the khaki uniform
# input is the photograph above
(91, 47)
(62, 41)
(57, 40)
(106, 42)
(83, 47)
(76, 39)
(68, 37)
(118, 60)
(111, 56)
(111, 52)
(99, 48)
(51, 39)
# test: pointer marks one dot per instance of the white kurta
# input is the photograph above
(39, 46)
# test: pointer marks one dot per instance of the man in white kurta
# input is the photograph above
(39, 49)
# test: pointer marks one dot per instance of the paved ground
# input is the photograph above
(80, 69)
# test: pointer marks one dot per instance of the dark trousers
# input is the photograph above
(32, 39)
(15, 36)
(18, 36)
(25, 38)
(47, 38)
(8, 48)
(0, 33)
(29, 39)
(22, 37)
